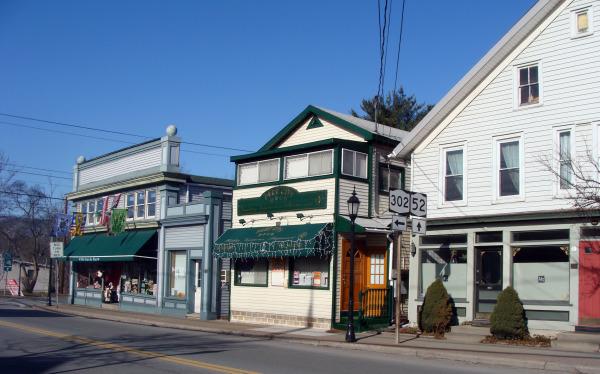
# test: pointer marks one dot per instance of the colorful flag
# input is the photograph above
(77, 224)
(117, 220)
(62, 223)
(109, 204)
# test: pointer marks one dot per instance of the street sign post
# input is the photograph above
(419, 226)
(7, 260)
(56, 249)
(398, 222)
(400, 201)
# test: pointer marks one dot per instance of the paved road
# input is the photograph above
(33, 341)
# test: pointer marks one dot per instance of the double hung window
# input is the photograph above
(99, 207)
(453, 174)
(529, 85)
(91, 212)
(564, 160)
(258, 172)
(390, 178)
(151, 203)
(354, 163)
(130, 205)
(141, 204)
(309, 164)
(509, 176)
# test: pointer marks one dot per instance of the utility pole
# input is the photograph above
(397, 245)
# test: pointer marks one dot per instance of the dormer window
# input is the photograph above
(581, 22)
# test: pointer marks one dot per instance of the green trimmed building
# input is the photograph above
(290, 237)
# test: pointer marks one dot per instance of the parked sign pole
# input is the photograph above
(398, 251)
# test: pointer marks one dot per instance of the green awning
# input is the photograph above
(103, 247)
(276, 241)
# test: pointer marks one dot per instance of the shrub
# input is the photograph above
(508, 317)
(436, 312)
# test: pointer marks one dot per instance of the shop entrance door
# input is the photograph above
(198, 286)
(359, 273)
(488, 279)
(589, 283)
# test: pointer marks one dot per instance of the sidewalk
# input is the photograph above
(410, 346)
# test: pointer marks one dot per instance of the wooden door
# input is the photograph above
(589, 283)
(359, 272)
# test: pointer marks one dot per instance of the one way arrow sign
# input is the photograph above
(398, 222)
(419, 226)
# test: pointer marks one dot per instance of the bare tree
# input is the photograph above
(578, 178)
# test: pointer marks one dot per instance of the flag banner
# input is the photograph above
(117, 220)
(62, 223)
(108, 205)
(77, 224)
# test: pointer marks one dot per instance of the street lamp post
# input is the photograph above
(353, 204)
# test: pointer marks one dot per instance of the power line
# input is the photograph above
(35, 168)
(96, 137)
(399, 44)
(38, 174)
(32, 195)
(382, 39)
(90, 128)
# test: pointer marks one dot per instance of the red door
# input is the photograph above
(589, 283)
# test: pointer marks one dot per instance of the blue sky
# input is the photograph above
(228, 73)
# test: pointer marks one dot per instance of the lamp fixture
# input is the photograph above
(353, 204)
(594, 221)
(270, 216)
(242, 221)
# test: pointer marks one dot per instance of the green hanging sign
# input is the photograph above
(283, 199)
(117, 220)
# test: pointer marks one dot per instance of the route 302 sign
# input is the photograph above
(405, 202)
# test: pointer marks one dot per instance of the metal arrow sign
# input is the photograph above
(419, 226)
(398, 222)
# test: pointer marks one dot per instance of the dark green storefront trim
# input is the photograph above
(103, 247)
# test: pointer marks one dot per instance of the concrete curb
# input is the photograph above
(424, 353)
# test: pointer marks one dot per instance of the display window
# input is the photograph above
(251, 272)
(310, 272)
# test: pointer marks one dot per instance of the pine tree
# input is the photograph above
(436, 312)
(508, 317)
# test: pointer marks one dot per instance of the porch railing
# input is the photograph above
(376, 303)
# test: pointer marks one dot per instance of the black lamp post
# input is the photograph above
(353, 204)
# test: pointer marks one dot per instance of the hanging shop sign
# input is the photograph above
(283, 199)
(57, 249)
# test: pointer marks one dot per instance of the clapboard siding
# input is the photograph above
(346, 187)
(149, 158)
(289, 218)
(290, 301)
(184, 237)
(570, 77)
(225, 289)
(227, 213)
(328, 131)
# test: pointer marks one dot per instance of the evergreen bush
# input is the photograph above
(508, 317)
(436, 311)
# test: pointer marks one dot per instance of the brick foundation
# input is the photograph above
(279, 319)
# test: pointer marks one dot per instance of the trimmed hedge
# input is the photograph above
(436, 312)
(508, 317)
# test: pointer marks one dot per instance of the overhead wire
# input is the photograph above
(32, 195)
(90, 128)
(399, 44)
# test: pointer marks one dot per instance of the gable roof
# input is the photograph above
(532, 19)
(366, 129)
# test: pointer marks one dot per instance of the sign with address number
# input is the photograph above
(405, 202)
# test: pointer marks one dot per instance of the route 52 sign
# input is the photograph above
(405, 202)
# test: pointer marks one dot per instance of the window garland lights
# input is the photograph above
(321, 245)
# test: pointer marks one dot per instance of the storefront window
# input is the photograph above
(541, 272)
(139, 278)
(177, 272)
(448, 264)
(309, 272)
(251, 272)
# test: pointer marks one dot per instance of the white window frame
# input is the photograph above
(307, 157)
(558, 192)
(516, 83)
(154, 203)
(135, 212)
(130, 206)
(98, 215)
(88, 221)
(496, 142)
(354, 163)
(573, 20)
(257, 163)
(442, 175)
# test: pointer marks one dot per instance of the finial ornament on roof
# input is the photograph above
(171, 130)
(80, 160)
